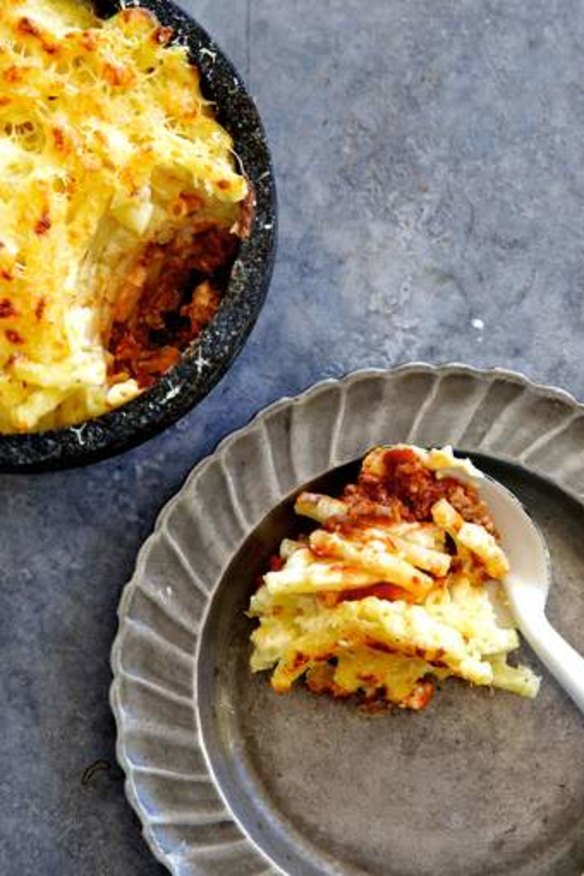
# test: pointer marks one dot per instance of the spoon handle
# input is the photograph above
(563, 661)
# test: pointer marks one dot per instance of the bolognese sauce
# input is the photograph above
(399, 485)
(177, 290)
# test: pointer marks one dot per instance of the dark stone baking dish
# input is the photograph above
(208, 358)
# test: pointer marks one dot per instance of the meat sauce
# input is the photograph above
(172, 294)
(405, 490)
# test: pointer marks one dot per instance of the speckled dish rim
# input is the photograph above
(553, 454)
(206, 361)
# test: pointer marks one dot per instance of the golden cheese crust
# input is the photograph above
(109, 154)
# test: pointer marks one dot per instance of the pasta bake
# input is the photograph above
(391, 591)
(121, 209)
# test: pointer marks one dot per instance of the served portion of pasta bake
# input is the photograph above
(393, 589)
(121, 209)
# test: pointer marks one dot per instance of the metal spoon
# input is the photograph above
(527, 586)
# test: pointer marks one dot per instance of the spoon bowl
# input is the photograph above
(527, 585)
(529, 579)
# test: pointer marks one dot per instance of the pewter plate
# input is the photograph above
(230, 779)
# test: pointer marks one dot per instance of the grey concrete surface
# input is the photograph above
(430, 161)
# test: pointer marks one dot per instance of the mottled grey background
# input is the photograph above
(431, 183)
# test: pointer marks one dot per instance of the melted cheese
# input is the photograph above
(103, 129)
